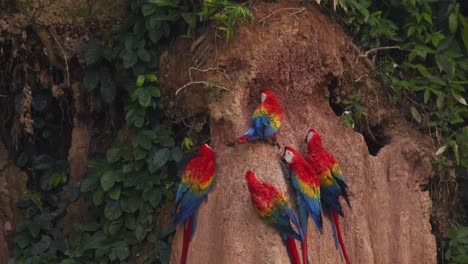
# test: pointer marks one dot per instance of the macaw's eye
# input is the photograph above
(263, 97)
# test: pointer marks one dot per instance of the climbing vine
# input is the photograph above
(420, 52)
(419, 47)
(129, 188)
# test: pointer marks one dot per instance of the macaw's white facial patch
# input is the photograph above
(263, 97)
(288, 156)
(208, 147)
(310, 135)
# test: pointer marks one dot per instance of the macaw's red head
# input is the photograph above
(206, 151)
(251, 180)
(313, 140)
(291, 155)
(266, 94)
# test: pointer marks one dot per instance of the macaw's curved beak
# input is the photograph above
(283, 160)
(305, 139)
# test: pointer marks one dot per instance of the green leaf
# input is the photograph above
(427, 17)
(454, 146)
(460, 259)
(190, 18)
(92, 52)
(139, 153)
(177, 154)
(155, 92)
(148, 10)
(68, 261)
(423, 70)
(112, 211)
(152, 77)
(90, 227)
(41, 246)
(142, 140)
(155, 35)
(140, 233)
(55, 179)
(95, 241)
(164, 3)
(113, 155)
(120, 249)
(143, 96)
(134, 203)
(416, 114)
(130, 221)
(91, 78)
(440, 100)
(140, 80)
(187, 143)
(114, 193)
(453, 23)
(98, 197)
(160, 157)
(459, 98)
(108, 180)
(445, 64)
(427, 94)
(108, 87)
(129, 59)
(144, 55)
(153, 196)
(464, 34)
(22, 239)
(114, 226)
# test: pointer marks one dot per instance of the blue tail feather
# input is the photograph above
(335, 238)
(195, 217)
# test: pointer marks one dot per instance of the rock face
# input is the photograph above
(296, 53)
(12, 186)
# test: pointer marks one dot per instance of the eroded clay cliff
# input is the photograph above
(296, 51)
(12, 186)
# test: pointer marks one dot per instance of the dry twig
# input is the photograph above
(64, 58)
(365, 54)
(202, 82)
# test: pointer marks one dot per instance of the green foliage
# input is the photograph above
(127, 187)
(355, 111)
(227, 14)
(422, 59)
(428, 72)
(457, 252)
(39, 238)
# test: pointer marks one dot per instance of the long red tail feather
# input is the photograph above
(291, 244)
(340, 238)
(187, 234)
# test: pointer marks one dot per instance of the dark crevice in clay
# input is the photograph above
(374, 136)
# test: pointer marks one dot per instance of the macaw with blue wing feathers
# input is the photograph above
(266, 120)
(307, 185)
(274, 208)
(332, 184)
(197, 181)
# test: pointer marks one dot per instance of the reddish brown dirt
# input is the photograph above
(296, 56)
(77, 157)
(12, 186)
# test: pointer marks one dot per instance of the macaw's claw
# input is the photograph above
(277, 144)
(232, 144)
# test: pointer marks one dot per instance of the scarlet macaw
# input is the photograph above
(332, 184)
(266, 120)
(274, 208)
(306, 183)
(197, 181)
